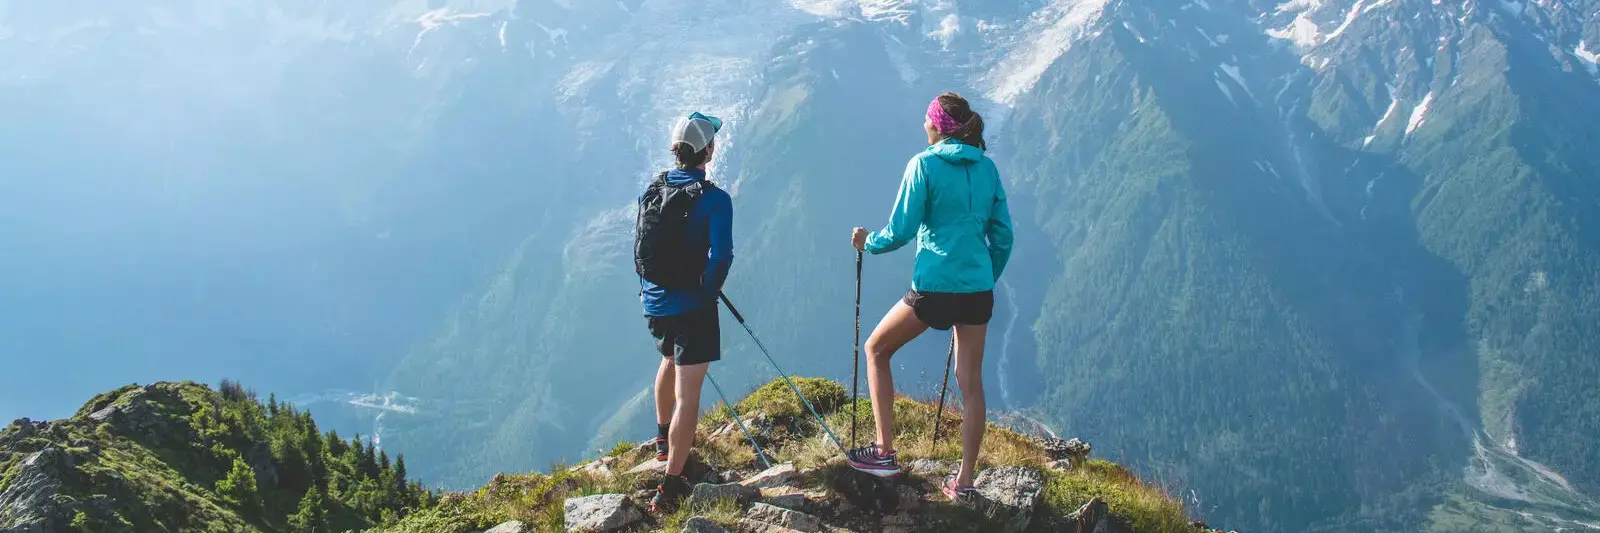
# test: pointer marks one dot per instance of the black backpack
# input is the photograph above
(661, 253)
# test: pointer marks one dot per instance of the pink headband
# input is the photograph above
(942, 121)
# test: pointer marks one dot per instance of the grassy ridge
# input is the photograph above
(788, 433)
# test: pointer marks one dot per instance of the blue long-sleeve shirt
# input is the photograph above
(710, 227)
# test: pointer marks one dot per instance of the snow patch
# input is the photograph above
(827, 8)
(1394, 104)
(1222, 38)
(887, 10)
(503, 25)
(1135, 33)
(580, 79)
(1051, 31)
(1203, 4)
(1302, 32)
(437, 18)
(1349, 18)
(1376, 5)
(554, 33)
(949, 26)
(1233, 72)
(1589, 59)
(1514, 7)
(897, 57)
(1226, 92)
(1420, 114)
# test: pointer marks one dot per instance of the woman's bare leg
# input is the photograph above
(969, 375)
(897, 328)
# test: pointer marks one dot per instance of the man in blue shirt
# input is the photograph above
(684, 322)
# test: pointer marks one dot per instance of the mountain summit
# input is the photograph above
(800, 482)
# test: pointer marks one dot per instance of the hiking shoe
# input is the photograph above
(955, 492)
(669, 494)
(872, 460)
(661, 449)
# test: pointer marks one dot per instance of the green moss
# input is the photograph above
(776, 399)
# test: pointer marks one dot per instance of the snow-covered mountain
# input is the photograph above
(1322, 264)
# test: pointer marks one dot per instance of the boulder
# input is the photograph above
(755, 526)
(596, 469)
(1060, 465)
(1010, 494)
(601, 512)
(509, 527)
(706, 493)
(786, 497)
(779, 516)
(931, 468)
(700, 524)
(774, 477)
(1067, 449)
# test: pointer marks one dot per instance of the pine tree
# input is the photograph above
(369, 461)
(311, 516)
(239, 488)
(400, 469)
(272, 405)
(336, 445)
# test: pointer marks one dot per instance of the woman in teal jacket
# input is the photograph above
(952, 203)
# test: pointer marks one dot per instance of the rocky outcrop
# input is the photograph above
(705, 493)
(701, 524)
(774, 477)
(785, 497)
(931, 468)
(1010, 494)
(601, 513)
(1073, 450)
(779, 516)
(513, 526)
(29, 503)
(141, 414)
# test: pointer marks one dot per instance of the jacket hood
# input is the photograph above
(956, 152)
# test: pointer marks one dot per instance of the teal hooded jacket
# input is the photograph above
(952, 203)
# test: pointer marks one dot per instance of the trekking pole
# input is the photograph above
(736, 421)
(855, 362)
(763, 348)
(938, 419)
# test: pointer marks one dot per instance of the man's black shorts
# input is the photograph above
(690, 338)
(941, 310)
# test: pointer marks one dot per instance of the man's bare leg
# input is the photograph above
(686, 416)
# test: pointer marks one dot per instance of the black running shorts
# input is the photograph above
(941, 310)
(691, 338)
